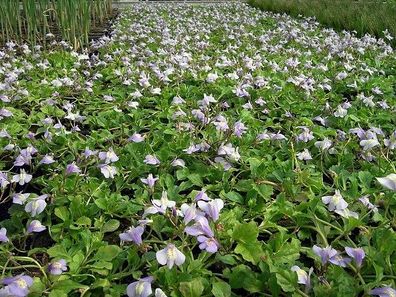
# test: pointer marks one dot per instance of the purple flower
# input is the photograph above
(324, 253)
(209, 244)
(88, 153)
(304, 278)
(170, 256)
(18, 286)
(72, 168)
(3, 180)
(57, 267)
(151, 160)
(189, 212)
(201, 195)
(109, 156)
(383, 292)
(22, 178)
(150, 180)
(340, 260)
(133, 234)
(47, 159)
(306, 135)
(239, 129)
(36, 205)
(160, 205)
(141, 288)
(212, 208)
(200, 227)
(24, 158)
(356, 254)
(3, 235)
(136, 138)
(20, 198)
(35, 226)
(366, 202)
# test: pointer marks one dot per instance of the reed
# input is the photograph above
(31, 20)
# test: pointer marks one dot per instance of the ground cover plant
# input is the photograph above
(364, 16)
(201, 150)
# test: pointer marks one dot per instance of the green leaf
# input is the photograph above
(250, 251)
(196, 179)
(62, 213)
(194, 288)
(246, 232)
(83, 221)
(107, 253)
(233, 196)
(111, 226)
(221, 289)
(67, 285)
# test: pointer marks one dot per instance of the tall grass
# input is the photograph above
(32, 20)
(364, 16)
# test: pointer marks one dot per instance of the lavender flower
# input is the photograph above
(136, 137)
(20, 198)
(305, 155)
(140, 288)
(212, 208)
(36, 205)
(239, 129)
(133, 234)
(335, 202)
(57, 267)
(357, 254)
(200, 227)
(383, 292)
(35, 226)
(151, 160)
(209, 244)
(18, 286)
(388, 181)
(340, 260)
(368, 144)
(201, 195)
(3, 235)
(150, 180)
(304, 278)
(22, 178)
(160, 205)
(47, 159)
(3, 180)
(107, 170)
(178, 162)
(170, 256)
(324, 253)
(366, 202)
(72, 168)
(109, 156)
(306, 135)
(189, 212)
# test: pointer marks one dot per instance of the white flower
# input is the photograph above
(305, 155)
(388, 181)
(335, 202)
(108, 171)
(368, 144)
(170, 256)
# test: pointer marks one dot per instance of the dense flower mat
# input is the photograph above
(210, 150)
